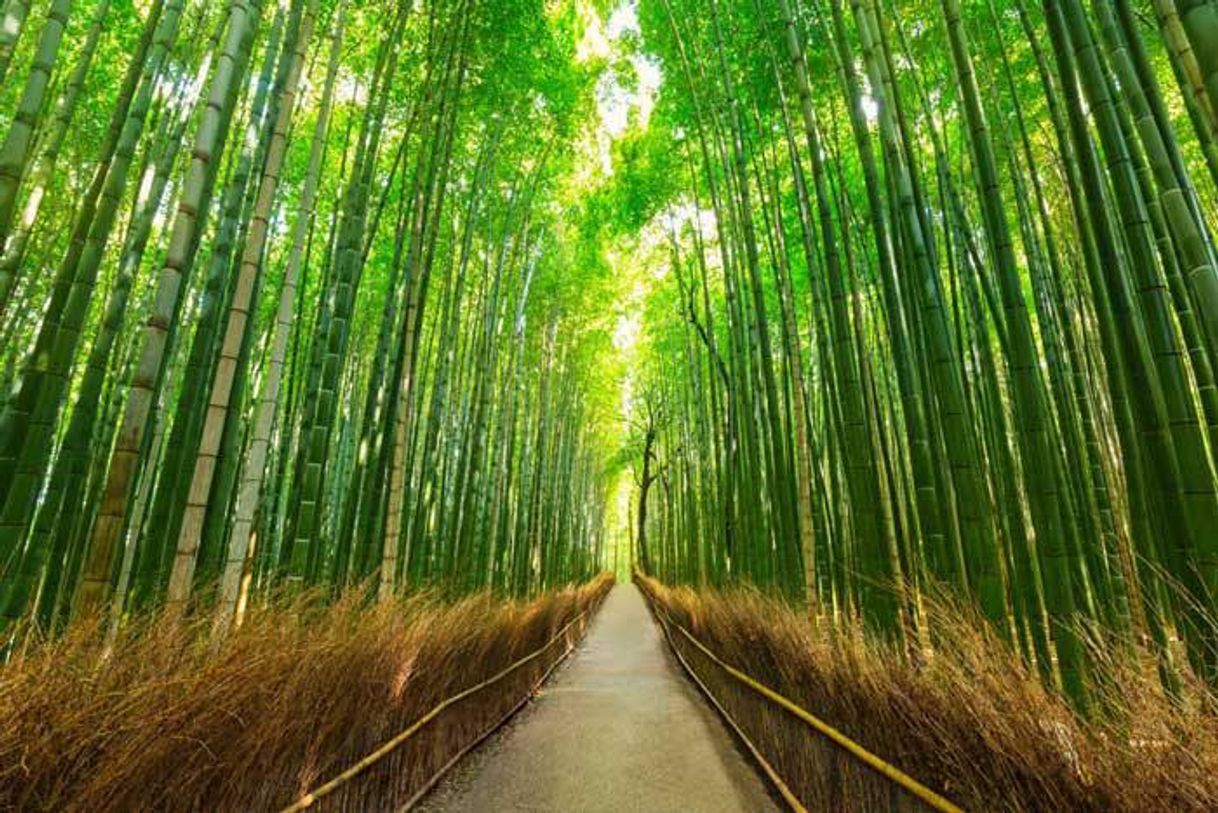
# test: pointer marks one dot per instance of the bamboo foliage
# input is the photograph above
(171, 430)
(148, 374)
(1007, 254)
(926, 298)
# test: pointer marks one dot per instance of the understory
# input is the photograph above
(176, 718)
(968, 719)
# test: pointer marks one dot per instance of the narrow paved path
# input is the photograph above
(618, 728)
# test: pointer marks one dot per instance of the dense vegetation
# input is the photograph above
(970, 722)
(287, 301)
(259, 716)
(937, 314)
(865, 304)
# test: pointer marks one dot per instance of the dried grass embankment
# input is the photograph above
(969, 721)
(172, 720)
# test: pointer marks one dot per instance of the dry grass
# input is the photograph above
(971, 722)
(172, 720)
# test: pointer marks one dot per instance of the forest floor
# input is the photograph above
(180, 714)
(617, 729)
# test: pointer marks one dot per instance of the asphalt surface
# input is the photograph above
(617, 728)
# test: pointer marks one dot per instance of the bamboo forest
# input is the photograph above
(710, 405)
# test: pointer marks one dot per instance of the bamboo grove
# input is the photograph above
(937, 311)
(286, 305)
(310, 294)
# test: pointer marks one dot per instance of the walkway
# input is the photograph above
(619, 728)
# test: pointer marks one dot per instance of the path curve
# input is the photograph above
(618, 728)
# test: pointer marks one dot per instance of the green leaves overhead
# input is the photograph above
(918, 317)
(880, 297)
